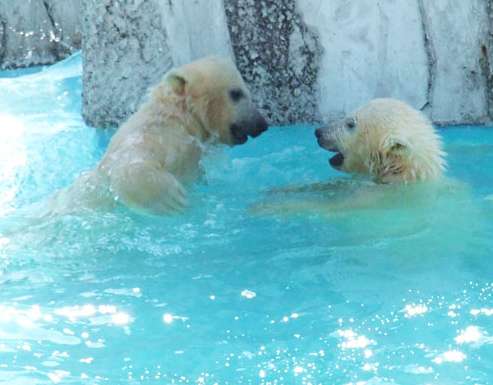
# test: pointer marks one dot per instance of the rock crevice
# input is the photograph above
(431, 56)
(3, 40)
(486, 59)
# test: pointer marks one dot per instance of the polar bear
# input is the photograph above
(156, 153)
(387, 140)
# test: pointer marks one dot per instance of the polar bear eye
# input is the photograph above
(236, 94)
(351, 124)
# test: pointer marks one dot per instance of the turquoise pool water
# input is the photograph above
(400, 292)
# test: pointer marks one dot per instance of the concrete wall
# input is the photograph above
(304, 60)
(34, 32)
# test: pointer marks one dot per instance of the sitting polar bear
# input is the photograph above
(387, 140)
(156, 153)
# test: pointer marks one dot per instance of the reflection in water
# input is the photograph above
(450, 356)
(352, 340)
(168, 318)
(34, 317)
(58, 375)
(474, 336)
(483, 311)
(415, 310)
(12, 157)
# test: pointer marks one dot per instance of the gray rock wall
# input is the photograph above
(35, 32)
(206, 32)
(125, 50)
(279, 56)
(304, 60)
(457, 32)
(371, 49)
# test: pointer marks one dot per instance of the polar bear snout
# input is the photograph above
(260, 125)
(251, 127)
(325, 139)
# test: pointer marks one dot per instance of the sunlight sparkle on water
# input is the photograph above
(473, 335)
(352, 340)
(412, 310)
(121, 318)
(248, 294)
(450, 356)
(298, 370)
(483, 311)
(168, 318)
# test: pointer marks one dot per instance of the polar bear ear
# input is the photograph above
(177, 82)
(388, 164)
(396, 146)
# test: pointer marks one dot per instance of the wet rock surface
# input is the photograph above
(38, 32)
(125, 51)
(278, 56)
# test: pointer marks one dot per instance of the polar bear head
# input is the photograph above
(387, 140)
(216, 100)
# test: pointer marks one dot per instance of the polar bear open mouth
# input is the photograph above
(238, 136)
(337, 160)
(327, 143)
(241, 134)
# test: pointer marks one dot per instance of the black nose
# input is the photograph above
(261, 125)
(319, 132)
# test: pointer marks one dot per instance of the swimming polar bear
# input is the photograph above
(387, 140)
(156, 153)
